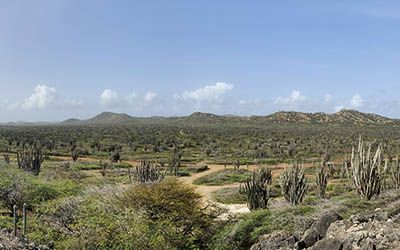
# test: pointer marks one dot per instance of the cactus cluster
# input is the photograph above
(366, 170)
(30, 158)
(293, 184)
(147, 172)
(256, 189)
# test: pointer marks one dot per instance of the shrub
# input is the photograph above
(18, 187)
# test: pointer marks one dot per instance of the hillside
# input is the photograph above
(343, 117)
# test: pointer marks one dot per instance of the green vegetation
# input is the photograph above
(224, 177)
(89, 191)
(229, 196)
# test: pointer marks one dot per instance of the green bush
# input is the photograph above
(18, 187)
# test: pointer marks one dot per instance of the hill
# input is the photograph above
(343, 117)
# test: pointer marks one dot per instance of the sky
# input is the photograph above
(71, 58)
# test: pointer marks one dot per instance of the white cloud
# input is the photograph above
(42, 97)
(327, 98)
(109, 98)
(208, 93)
(131, 98)
(149, 96)
(356, 101)
(294, 99)
(338, 108)
(242, 102)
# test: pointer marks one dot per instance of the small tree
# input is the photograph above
(30, 158)
(366, 170)
(294, 184)
(256, 189)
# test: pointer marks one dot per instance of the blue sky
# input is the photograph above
(61, 59)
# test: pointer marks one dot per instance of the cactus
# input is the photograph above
(366, 170)
(115, 157)
(147, 172)
(293, 184)
(175, 160)
(30, 158)
(75, 153)
(6, 156)
(322, 179)
(256, 189)
(236, 166)
(395, 173)
(104, 166)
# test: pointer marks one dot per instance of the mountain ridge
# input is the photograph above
(345, 116)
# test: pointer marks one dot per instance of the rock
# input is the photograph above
(281, 240)
(318, 230)
(381, 216)
(328, 243)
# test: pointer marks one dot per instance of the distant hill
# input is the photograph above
(343, 117)
(71, 121)
(109, 117)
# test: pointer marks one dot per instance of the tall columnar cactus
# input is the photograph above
(293, 184)
(175, 160)
(395, 173)
(147, 172)
(75, 153)
(256, 189)
(6, 156)
(30, 158)
(366, 170)
(322, 179)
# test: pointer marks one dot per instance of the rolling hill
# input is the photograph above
(346, 116)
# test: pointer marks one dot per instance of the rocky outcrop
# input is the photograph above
(375, 231)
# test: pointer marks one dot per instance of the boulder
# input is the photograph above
(318, 230)
(281, 240)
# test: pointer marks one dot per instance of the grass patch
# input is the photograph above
(224, 177)
(229, 196)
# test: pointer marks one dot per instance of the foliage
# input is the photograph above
(18, 187)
